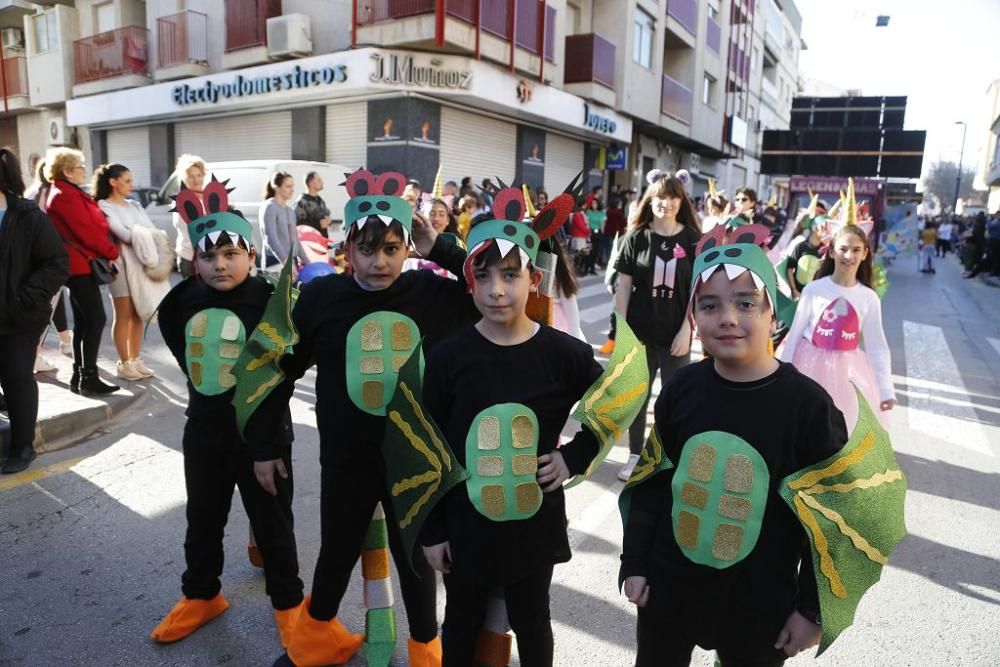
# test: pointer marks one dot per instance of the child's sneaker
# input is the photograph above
(187, 616)
(629, 466)
(141, 368)
(126, 371)
(608, 347)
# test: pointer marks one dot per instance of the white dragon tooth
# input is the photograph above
(707, 273)
(360, 224)
(757, 280)
(214, 236)
(734, 271)
(524, 256)
(386, 219)
(505, 247)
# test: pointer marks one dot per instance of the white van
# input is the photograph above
(247, 179)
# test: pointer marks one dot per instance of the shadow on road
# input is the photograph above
(949, 567)
(939, 478)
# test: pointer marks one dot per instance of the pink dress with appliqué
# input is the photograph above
(825, 340)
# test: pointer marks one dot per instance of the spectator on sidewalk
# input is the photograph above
(191, 169)
(33, 267)
(928, 242)
(975, 244)
(278, 223)
(993, 248)
(87, 237)
(946, 232)
(144, 267)
(311, 209)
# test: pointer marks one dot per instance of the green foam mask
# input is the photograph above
(735, 259)
(507, 235)
(207, 231)
(382, 209)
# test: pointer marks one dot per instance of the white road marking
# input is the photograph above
(593, 514)
(592, 290)
(928, 357)
(596, 313)
(995, 343)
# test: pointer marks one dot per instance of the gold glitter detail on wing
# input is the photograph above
(372, 365)
(488, 433)
(230, 328)
(612, 376)
(492, 497)
(264, 387)
(522, 432)
(821, 545)
(739, 474)
(371, 337)
(371, 393)
(490, 466)
(859, 542)
(702, 464)
(199, 325)
(196, 349)
(688, 525)
(837, 467)
(401, 338)
(694, 495)
(878, 479)
(432, 478)
(734, 507)
(728, 538)
(196, 373)
(438, 444)
(524, 464)
(226, 377)
(528, 496)
(230, 351)
(397, 362)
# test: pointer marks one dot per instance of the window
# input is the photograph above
(708, 91)
(46, 34)
(713, 12)
(645, 29)
(104, 17)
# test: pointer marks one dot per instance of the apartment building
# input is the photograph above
(530, 90)
(988, 174)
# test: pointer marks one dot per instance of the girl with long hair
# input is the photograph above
(836, 312)
(654, 267)
(278, 222)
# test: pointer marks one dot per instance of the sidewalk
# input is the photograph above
(65, 418)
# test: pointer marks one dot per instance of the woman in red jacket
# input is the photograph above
(85, 233)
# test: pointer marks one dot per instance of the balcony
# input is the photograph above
(676, 100)
(111, 60)
(590, 68)
(15, 83)
(182, 46)
(246, 31)
(686, 13)
(460, 27)
(713, 35)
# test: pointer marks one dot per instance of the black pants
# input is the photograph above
(527, 610)
(214, 463)
(663, 641)
(994, 254)
(59, 314)
(656, 358)
(88, 319)
(349, 495)
(17, 379)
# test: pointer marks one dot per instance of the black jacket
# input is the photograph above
(33, 266)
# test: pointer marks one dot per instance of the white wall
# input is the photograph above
(50, 74)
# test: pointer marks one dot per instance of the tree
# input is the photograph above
(940, 182)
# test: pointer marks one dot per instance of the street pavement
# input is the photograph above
(91, 537)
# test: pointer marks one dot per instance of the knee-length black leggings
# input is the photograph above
(88, 319)
(17, 379)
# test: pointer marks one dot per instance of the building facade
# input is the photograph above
(988, 174)
(527, 90)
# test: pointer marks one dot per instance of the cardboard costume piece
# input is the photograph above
(376, 199)
(851, 541)
(380, 618)
(377, 347)
(420, 466)
(207, 229)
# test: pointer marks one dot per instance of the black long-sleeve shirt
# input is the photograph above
(466, 374)
(326, 310)
(247, 301)
(792, 422)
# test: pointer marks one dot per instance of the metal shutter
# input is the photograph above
(347, 134)
(563, 161)
(130, 147)
(266, 136)
(476, 146)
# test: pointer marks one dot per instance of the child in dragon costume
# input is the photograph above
(205, 322)
(744, 534)
(501, 392)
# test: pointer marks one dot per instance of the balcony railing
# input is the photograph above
(686, 13)
(181, 39)
(246, 22)
(495, 17)
(713, 34)
(676, 100)
(588, 58)
(15, 76)
(112, 53)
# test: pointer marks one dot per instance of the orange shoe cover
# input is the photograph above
(608, 347)
(424, 655)
(254, 555)
(187, 616)
(286, 619)
(316, 643)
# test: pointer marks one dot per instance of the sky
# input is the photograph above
(941, 54)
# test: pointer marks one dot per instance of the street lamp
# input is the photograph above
(958, 179)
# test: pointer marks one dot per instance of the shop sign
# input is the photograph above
(596, 122)
(246, 86)
(617, 157)
(402, 70)
(832, 185)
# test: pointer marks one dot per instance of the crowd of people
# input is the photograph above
(462, 361)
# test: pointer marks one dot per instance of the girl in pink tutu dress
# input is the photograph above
(837, 313)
